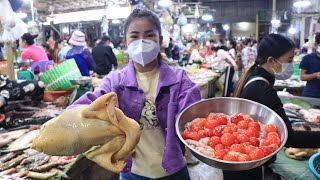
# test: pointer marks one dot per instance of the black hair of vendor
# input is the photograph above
(29, 38)
(139, 13)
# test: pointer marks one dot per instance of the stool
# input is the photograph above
(25, 75)
(43, 65)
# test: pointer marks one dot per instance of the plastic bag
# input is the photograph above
(13, 27)
(99, 124)
(196, 12)
(182, 20)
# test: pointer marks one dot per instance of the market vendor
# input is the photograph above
(275, 54)
(310, 71)
(152, 93)
(31, 51)
(194, 52)
(80, 53)
(19, 90)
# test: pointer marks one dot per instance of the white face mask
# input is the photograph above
(286, 72)
(318, 49)
(143, 51)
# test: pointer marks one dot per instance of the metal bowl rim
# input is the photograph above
(231, 162)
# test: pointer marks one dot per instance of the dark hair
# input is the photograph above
(196, 41)
(274, 45)
(29, 38)
(247, 41)
(58, 41)
(215, 48)
(105, 39)
(318, 38)
(46, 46)
(233, 43)
(140, 13)
(48, 37)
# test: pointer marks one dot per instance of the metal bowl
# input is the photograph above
(231, 106)
(81, 80)
(21, 63)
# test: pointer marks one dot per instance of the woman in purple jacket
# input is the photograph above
(153, 94)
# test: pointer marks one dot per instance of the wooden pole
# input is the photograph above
(257, 28)
(8, 46)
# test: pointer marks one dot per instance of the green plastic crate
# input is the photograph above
(57, 78)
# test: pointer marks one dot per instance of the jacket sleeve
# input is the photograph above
(297, 139)
(88, 56)
(189, 93)
(113, 58)
(107, 85)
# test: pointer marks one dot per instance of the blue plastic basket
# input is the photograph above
(314, 165)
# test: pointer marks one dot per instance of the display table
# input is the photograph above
(205, 79)
(294, 87)
(290, 168)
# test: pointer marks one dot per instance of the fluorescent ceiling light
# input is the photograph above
(21, 15)
(206, 17)
(213, 29)
(165, 3)
(116, 21)
(226, 27)
(275, 21)
(292, 30)
(243, 25)
(302, 3)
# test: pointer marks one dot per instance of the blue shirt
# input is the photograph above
(311, 63)
(63, 52)
(83, 58)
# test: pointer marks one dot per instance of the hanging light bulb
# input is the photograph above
(116, 21)
(206, 17)
(196, 12)
(226, 27)
(292, 30)
(302, 3)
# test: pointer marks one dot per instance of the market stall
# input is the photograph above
(205, 79)
(294, 87)
(292, 163)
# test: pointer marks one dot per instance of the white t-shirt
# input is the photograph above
(147, 159)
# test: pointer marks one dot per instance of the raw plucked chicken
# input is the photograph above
(99, 124)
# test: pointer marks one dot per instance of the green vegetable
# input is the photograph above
(302, 103)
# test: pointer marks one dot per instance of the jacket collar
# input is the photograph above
(167, 75)
(260, 71)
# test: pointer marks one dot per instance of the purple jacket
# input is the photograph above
(175, 92)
